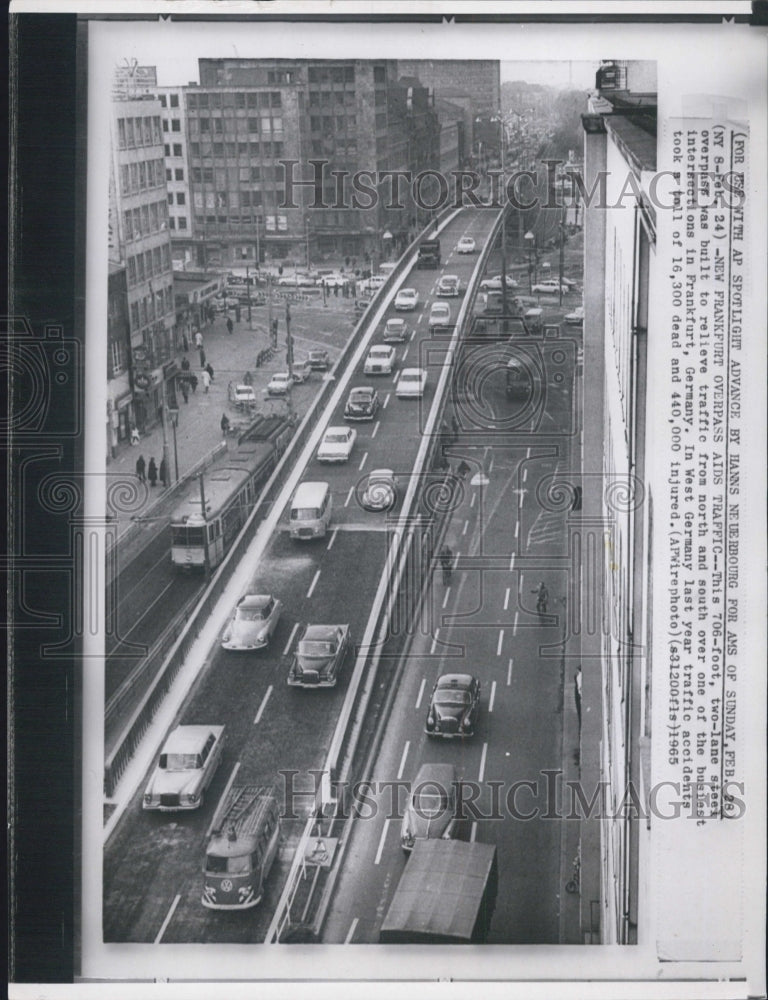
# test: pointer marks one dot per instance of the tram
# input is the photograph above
(243, 844)
(230, 488)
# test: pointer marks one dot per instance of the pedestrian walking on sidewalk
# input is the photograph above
(577, 693)
(163, 473)
(202, 358)
(206, 379)
(198, 340)
(134, 435)
(230, 325)
(152, 472)
(185, 365)
(184, 390)
(193, 382)
(224, 424)
(140, 467)
(209, 369)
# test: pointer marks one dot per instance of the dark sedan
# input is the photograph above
(454, 706)
(362, 403)
(319, 656)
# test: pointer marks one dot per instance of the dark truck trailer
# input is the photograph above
(446, 895)
(429, 254)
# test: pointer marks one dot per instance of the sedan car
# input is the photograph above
(494, 284)
(300, 279)
(549, 287)
(256, 618)
(411, 383)
(319, 361)
(449, 285)
(407, 299)
(187, 764)
(362, 403)
(331, 280)
(431, 810)
(465, 245)
(319, 656)
(337, 444)
(575, 318)
(380, 360)
(439, 315)
(279, 384)
(380, 492)
(395, 331)
(454, 706)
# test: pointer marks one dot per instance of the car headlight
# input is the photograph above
(192, 796)
(227, 636)
(262, 635)
(147, 797)
(465, 722)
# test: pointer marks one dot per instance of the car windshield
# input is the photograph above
(217, 865)
(359, 396)
(408, 293)
(448, 697)
(336, 438)
(395, 324)
(406, 377)
(179, 761)
(316, 649)
(380, 352)
(252, 614)
(430, 804)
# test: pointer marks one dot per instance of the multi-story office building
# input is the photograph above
(174, 122)
(480, 79)
(331, 120)
(119, 395)
(140, 241)
(614, 526)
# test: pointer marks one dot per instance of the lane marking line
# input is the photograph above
(312, 585)
(263, 704)
(472, 501)
(376, 429)
(464, 529)
(481, 775)
(363, 460)
(506, 599)
(512, 562)
(400, 770)
(405, 353)
(383, 837)
(351, 931)
(447, 594)
(501, 640)
(434, 641)
(421, 691)
(386, 400)
(349, 496)
(473, 833)
(493, 696)
(167, 920)
(334, 533)
(290, 639)
(514, 626)
(509, 671)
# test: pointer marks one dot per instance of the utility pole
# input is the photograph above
(206, 553)
(561, 225)
(166, 456)
(504, 323)
(289, 357)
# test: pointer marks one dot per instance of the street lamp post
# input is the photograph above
(503, 232)
(530, 239)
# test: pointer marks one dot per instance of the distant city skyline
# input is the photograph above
(577, 74)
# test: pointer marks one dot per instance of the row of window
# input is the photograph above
(175, 125)
(334, 74)
(327, 123)
(221, 200)
(177, 174)
(145, 220)
(249, 99)
(267, 150)
(180, 223)
(325, 98)
(140, 176)
(134, 132)
(173, 100)
(181, 198)
(151, 307)
(329, 148)
(237, 175)
(148, 264)
(177, 149)
(236, 126)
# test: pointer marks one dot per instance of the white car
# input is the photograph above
(465, 245)
(549, 287)
(439, 315)
(575, 318)
(331, 280)
(372, 284)
(254, 621)
(407, 299)
(187, 763)
(449, 285)
(395, 331)
(380, 491)
(279, 384)
(380, 360)
(411, 383)
(494, 284)
(337, 444)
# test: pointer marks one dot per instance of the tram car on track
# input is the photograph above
(242, 846)
(231, 486)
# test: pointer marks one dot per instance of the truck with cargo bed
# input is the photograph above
(429, 254)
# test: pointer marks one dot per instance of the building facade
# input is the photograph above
(174, 121)
(119, 394)
(140, 241)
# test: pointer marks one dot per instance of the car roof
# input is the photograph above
(382, 347)
(450, 277)
(314, 632)
(413, 371)
(362, 388)
(189, 739)
(455, 680)
(409, 291)
(381, 473)
(255, 601)
(442, 774)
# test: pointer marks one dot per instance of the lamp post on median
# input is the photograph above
(530, 239)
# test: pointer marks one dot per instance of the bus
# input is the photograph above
(242, 846)
(231, 486)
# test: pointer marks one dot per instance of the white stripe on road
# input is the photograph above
(517, 529)
(447, 594)
(490, 464)
(349, 496)
(493, 695)
(464, 529)
(501, 640)
(514, 627)
(421, 692)
(400, 770)
(434, 641)
(509, 671)
(290, 639)
(380, 849)
(394, 378)
(527, 452)
(263, 705)
(405, 353)
(473, 834)
(312, 585)
(351, 931)
(386, 400)
(363, 460)
(413, 333)
(506, 599)
(376, 429)
(167, 920)
(512, 562)
(472, 501)
(481, 775)
(334, 533)
(525, 473)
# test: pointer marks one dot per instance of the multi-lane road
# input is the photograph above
(152, 863)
